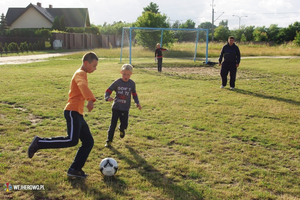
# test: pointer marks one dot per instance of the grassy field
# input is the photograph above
(191, 140)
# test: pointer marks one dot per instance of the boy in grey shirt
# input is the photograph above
(123, 87)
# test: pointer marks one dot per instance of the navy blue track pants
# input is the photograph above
(77, 128)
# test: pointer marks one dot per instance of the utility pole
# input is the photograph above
(212, 21)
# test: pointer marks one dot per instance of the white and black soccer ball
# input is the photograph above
(108, 166)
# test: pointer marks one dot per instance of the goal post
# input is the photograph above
(161, 39)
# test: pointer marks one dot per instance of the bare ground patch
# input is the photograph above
(208, 71)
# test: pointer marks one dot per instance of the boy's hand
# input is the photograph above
(90, 105)
(139, 106)
(110, 99)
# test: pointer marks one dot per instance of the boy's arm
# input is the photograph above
(90, 106)
(221, 56)
(109, 91)
(84, 89)
(136, 98)
(107, 95)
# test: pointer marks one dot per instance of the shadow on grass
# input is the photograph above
(79, 183)
(291, 101)
(157, 179)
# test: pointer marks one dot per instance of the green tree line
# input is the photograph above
(151, 17)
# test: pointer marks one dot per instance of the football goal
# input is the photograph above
(182, 43)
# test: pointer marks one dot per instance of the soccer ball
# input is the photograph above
(108, 166)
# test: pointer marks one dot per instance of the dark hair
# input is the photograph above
(90, 57)
(231, 37)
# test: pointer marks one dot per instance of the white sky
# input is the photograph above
(258, 12)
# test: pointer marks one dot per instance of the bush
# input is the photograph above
(30, 47)
(13, 47)
(1, 49)
(297, 38)
(24, 47)
(5, 47)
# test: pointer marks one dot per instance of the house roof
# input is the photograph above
(74, 17)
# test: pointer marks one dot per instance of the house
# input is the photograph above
(35, 16)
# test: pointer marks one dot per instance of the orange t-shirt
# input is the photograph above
(79, 92)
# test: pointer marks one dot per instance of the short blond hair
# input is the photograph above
(128, 67)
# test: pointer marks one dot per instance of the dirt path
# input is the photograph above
(29, 58)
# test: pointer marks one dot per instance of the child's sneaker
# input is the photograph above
(122, 133)
(108, 143)
(33, 147)
(76, 173)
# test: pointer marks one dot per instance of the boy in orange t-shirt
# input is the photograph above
(77, 127)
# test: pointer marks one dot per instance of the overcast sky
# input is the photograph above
(258, 12)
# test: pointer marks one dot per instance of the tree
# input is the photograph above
(224, 23)
(152, 7)
(249, 33)
(186, 36)
(272, 32)
(56, 24)
(154, 20)
(221, 33)
(260, 34)
(297, 38)
(62, 23)
(238, 33)
(176, 24)
(243, 38)
(206, 25)
(3, 24)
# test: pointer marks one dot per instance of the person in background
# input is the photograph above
(158, 56)
(231, 57)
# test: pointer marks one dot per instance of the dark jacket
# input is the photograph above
(231, 54)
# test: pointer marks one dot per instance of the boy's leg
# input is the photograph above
(159, 64)
(86, 147)
(224, 74)
(73, 120)
(233, 71)
(124, 122)
(113, 124)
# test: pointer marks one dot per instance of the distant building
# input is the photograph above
(35, 16)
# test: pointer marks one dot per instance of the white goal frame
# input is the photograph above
(161, 40)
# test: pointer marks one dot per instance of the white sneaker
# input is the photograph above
(222, 86)
(232, 88)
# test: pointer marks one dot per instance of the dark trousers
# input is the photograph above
(77, 128)
(228, 67)
(159, 64)
(116, 115)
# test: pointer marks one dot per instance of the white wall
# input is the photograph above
(31, 19)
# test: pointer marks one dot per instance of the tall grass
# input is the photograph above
(191, 140)
(184, 50)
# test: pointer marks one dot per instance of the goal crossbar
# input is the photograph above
(161, 39)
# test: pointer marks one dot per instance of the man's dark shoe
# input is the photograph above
(76, 173)
(33, 147)
(122, 133)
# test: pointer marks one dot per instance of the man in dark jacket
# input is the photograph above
(231, 54)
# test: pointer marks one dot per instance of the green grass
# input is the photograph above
(191, 140)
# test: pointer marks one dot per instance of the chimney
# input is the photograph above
(39, 4)
(50, 6)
